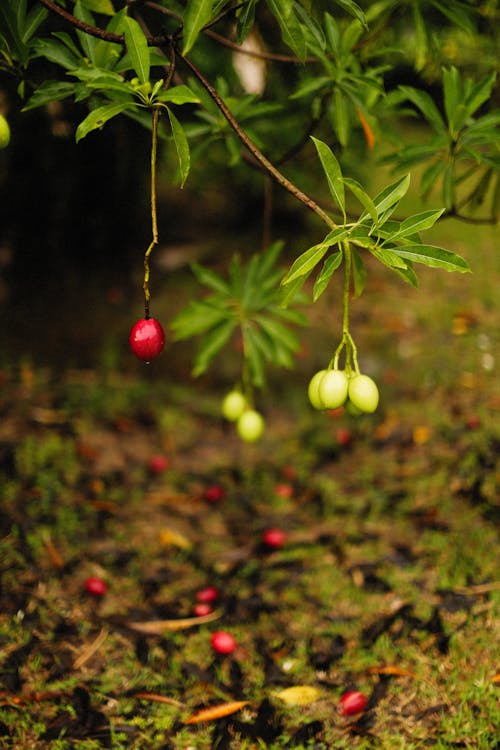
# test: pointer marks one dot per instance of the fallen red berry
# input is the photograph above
(147, 339)
(95, 586)
(274, 538)
(158, 464)
(222, 642)
(283, 489)
(344, 436)
(352, 702)
(201, 609)
(207, 595)
(214, 493)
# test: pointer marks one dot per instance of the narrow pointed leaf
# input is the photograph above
(333, 173)
(435, 257)
(362, 197)
(178, 95)
(291, 30)
(329, 267)
(305, 263)
(138, 49)
(423, 101)
(298, 695)
(198, 14)
(392, 194)
(98, 117)
(181, 145)
(417, 223)
(358, 272)
(212, 344)
(215, 712)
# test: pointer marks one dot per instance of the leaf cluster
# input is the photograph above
(248, 303)
(396, 244)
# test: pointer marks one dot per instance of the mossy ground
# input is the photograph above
(388, 582)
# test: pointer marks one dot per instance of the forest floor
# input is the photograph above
(387, 581)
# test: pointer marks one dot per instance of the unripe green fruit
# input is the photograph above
(250, 426)
(233, 405)
(313, 389)
(363, 393)
(4, 132)
(333, 389)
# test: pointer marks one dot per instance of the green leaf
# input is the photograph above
(198, 14)
(34, 19)
(197, 318)
(392, 194)
(181, 146)
(280, 335)
(255, 348)
(354, 10)
(291, 30)
(329, 267)
(178, 95)
(87, 42)
(339, 116)
(333, 173)
(246, 19)
(430, 176)
(100, 6)
(453, 94)
(417, 223)
(58, 53)
(98, 117)
(49, 91)
(213, 342)
(434, 257)
(209, 278)
(137, 48)
(423, 101)
(362, 197)
(358, 273)
(305, 263)
(479, 94)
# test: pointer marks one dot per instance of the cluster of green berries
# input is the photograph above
(249, 422)
(329, 389)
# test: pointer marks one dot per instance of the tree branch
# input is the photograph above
(263, 161)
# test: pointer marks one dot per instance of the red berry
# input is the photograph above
(352, 702)
(473, 422)
(201, 609)
(207, 595)
(274, 538)
(283, 489)
(95, 586)
(146, 339)
(289, 472)
(222, 642)
(214, 493)
(158, 464)
(344, 436)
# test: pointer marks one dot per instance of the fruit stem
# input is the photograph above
(351, 352)
(154, 219)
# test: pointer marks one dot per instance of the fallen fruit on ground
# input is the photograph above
(363, 393)
(233, 405)
(222, 642)
(208, 594)
(332, 389)
(158, 464)
(274, 538)
(250, 426)
(214, 493)
(95, 586)
(352, 702)
(147, 339)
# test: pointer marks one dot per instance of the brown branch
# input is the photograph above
(96, 31)
(263, 161)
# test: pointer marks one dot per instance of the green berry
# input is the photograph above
(363, 393)
(4, 132)
(333, 389)
(233, 405)
(250, 426)
(313, 389)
